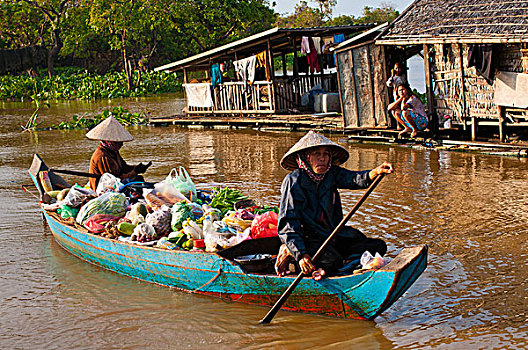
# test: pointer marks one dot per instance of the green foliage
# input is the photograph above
(303, 16)
(205, 24)
(225, 198)
(422, 97)
(306, 16)
(122, 115)
(21, 25)
(377, 15)
(74, 83)
(32, 121)
(342, 20)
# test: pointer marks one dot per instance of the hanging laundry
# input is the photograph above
(481, 57)
(305, 45)
(313, 61)
(245, 68)
(262, 61)
(317, 44)
(198, 95)
(339, 38)
(216, 75)
(301, 63)
(328, 42)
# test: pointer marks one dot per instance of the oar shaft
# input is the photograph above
(348, 216)
(73, 172)
(278, 304)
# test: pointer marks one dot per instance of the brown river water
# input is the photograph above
(470, 209)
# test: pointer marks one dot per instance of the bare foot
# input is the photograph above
(283, 260)
(414, 133)
(399, 128)
(318, 274)
(404, 131)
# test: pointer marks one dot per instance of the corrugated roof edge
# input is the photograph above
(358, 37)
(251, 38)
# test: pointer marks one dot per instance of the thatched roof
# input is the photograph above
(470, 21)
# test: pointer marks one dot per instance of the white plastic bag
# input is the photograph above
(372, 262)
(169, 193)
(76, 196)
(181, 180)
(108, 183)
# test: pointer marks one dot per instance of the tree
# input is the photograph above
(54, 12)
(385, 13)
(303, 16)
(21, 25)
(210, 23)
(342, 20)
(326, 7)
(130, 27)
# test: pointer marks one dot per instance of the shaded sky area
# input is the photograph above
(343, 7)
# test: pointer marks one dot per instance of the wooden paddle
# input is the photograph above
(286, 294)
(73, 172)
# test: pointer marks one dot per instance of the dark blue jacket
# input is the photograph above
(303, 201)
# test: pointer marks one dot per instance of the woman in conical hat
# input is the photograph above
(106, 158)
(310, 207)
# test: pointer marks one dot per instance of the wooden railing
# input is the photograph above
(263, 96)
(239, 97)
(290, 90)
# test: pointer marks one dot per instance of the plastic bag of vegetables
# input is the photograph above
(161, 220)
(180, 212)
(77, 195)
(110, 203)
(181, 180)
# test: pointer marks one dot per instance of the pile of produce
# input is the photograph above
(163, 216)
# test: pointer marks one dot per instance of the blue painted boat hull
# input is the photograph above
(359, 296)
(362, 295)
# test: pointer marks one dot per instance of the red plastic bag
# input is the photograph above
(265, 225)
(96, 223)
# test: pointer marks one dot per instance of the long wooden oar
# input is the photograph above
(286, 294)
(73, 172)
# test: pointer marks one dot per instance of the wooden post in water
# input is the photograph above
(429, 91)
(465, 108)
(271, 89)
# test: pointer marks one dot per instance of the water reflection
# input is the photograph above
(470, 209)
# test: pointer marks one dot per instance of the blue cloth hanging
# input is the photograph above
(339, 38)
(216, 75)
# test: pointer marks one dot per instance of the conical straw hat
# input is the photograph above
(110, 130)
(312, 140)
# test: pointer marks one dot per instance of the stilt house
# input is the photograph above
(244, 77)
(475, 60)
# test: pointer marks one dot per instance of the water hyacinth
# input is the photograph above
(87, 122)
(74, 83)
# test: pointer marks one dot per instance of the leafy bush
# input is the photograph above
(122, 115)
(74, 83)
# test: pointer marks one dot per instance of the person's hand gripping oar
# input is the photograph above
(269, 316)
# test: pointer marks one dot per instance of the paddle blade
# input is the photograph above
(278, 304)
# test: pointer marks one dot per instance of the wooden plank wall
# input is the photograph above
(379, 76)
(363, 93)
(347, 87)
(364, 90)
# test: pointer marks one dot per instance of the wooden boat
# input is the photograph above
(362, 295)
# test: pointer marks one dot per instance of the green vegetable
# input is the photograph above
(266, 208)
(225, 198)
(181, 241)
(181, 211)
(126, 228)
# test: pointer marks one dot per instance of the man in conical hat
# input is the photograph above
(106, 158)
(310, 207)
